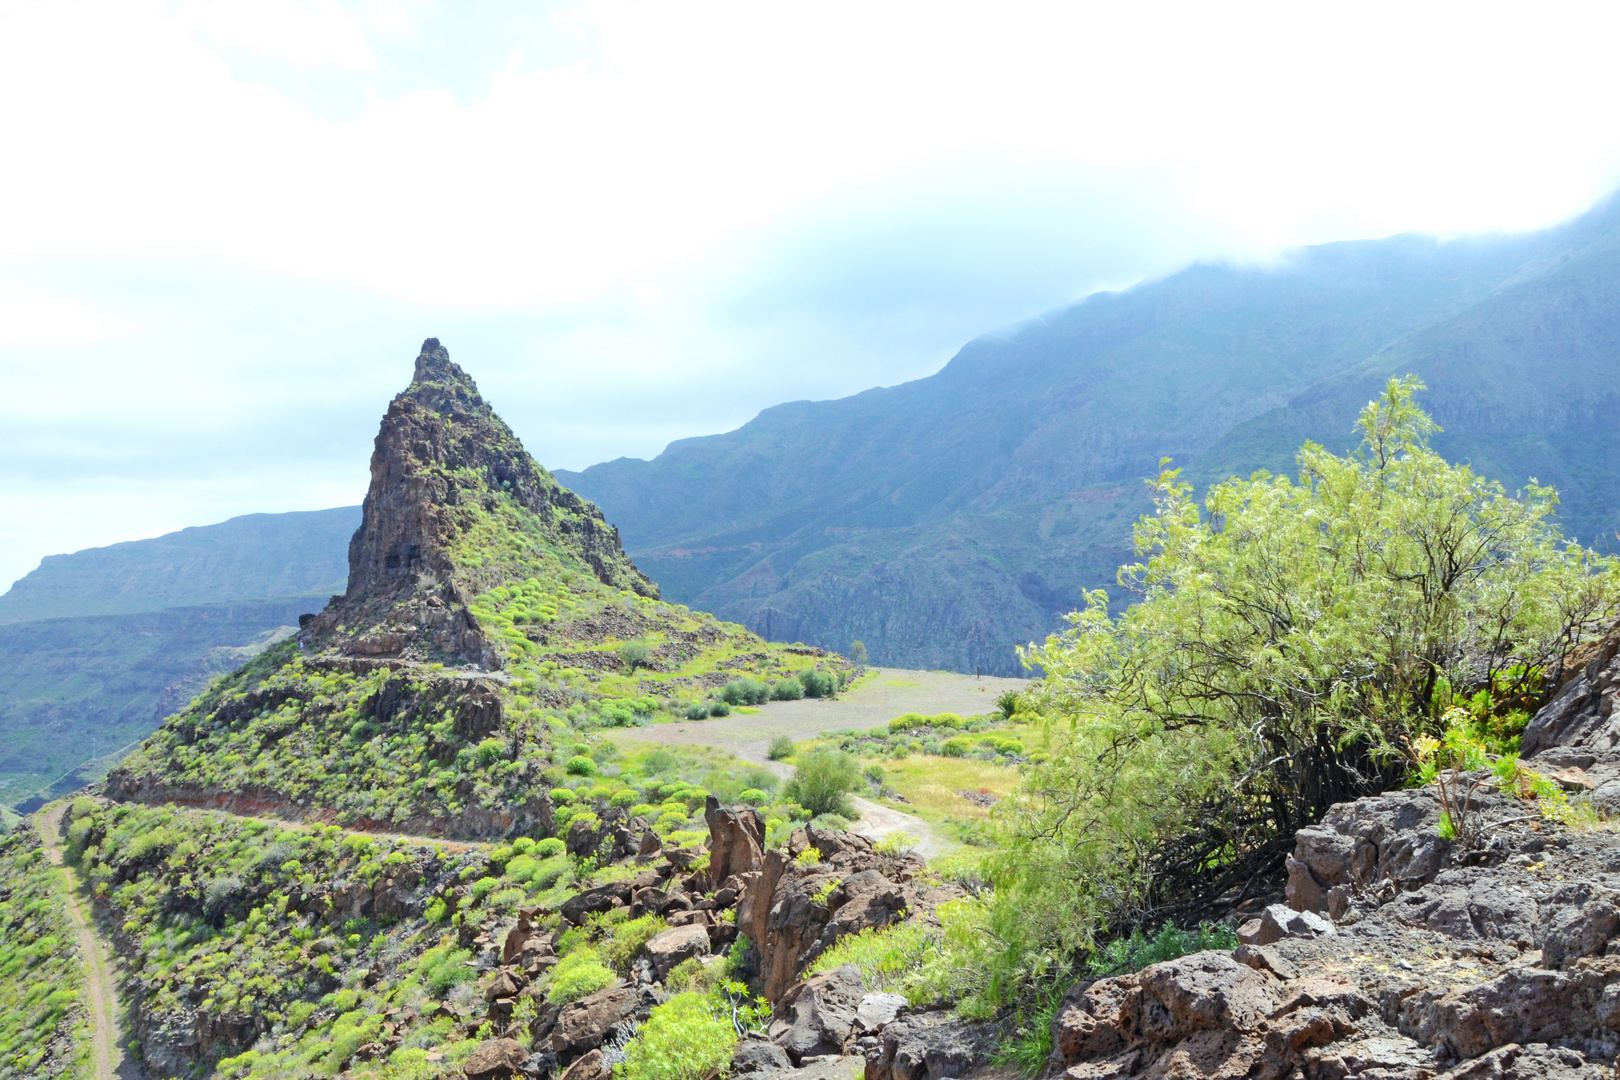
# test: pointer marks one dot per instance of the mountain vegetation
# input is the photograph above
(946, 521)
(97, 647)
(43, 1021)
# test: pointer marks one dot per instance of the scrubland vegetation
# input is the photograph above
(44, 1031)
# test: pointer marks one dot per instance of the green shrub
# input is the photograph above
(522, 845)
(1007, 704)
(719, 708)
(548, 847)
(884, 955)
(688, 1037)
(907, 722)
(818, 684)
(947, 720)
(580, 765)
(781, 747)
(628, 939)
(822, 782)
(753, 797)
(490, 751)
(444, 967)
(483, 887)
(745, 691)
(698, 711)
(634, 654)
(954, 747)
(787, 690)
(579, 974)
(1138, 951)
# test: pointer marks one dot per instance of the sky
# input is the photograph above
(225, 228)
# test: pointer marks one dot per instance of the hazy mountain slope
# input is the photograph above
(1523, 383)
(75, 689)
(947, 519)
(249, 557)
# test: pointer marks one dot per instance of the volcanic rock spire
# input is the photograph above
(456, 507)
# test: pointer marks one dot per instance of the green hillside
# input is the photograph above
(75, 690)
(946, 520)
(491, 620)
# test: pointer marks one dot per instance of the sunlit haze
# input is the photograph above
(226, 227)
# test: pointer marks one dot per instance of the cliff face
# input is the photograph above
(456, 507)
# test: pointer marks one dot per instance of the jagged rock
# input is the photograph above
(1391, 836)
(516, 939)
(817, 1016)
(506, 985)
(495, 1059)
(583, 1024)
(1279, 921)
(1204, 990)
(1472, 904)
(1518, 1006)
(790, 927)
(757, 1054)
(875, 1010)
(589, 1067)
(736, 839)
(929, 1046)
(669, 948)
(597, 900)
(1580, 920)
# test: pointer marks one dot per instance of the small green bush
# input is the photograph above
(698, 711)
(579, 974)
(954, 747)
(907, 722)
(745, 691)
(1169, 942)
(634, 654)
(688, 1037)
(719, 708)
(754, 797)
(490, 751)
(483, 887)
(884, 955)
(443, 968)
(819, 684)
(580, 765)
(548, 847)
(628, 939)
(787, 690)
(562, 796)
(822, 782)
(781, 747)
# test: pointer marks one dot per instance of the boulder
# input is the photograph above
(1202, 991)
(929, 1046)
(875, 1010)
(817, 1016)
(597, 900)
(583, 1024)
(495, 1059)
(590, 1066)
(1579, 920)
(757, 1054)
(1279, 921)
(1393, 836)
(736, 839)
(669, 948)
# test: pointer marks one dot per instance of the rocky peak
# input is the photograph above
(456, 506)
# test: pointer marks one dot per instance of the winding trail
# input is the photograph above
(107, 1048)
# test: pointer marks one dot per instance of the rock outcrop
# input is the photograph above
(1577, 733)
(444, 471)
(1498, 964)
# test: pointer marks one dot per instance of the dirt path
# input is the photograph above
(107, 1047)
(880, 697)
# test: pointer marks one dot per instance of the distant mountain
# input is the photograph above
(98, 646)
(255, 556)
(946, 520)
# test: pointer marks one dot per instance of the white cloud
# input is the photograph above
(224, 224)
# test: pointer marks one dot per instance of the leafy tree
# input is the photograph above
(857, 651)
(1289, 641)
(634, 654)
(781, 747)
(823, 780)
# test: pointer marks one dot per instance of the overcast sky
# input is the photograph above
(225, 228)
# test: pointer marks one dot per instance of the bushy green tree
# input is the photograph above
(1288, 641)
(823, 780)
